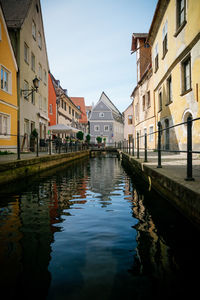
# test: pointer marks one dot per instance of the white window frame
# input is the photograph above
(32, 62)
(6, 85)
(34, 29)
(5, 134)
(96, 128)
(39, 40)
(26, 53)
(151, 136)
(50, 109)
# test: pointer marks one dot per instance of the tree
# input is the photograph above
(80, 135)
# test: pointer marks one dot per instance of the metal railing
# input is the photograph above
(130, 147)
(27, 144)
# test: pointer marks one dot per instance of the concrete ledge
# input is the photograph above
(184, 197)
(15, 170)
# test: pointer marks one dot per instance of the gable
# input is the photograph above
(101, 106)
(6, 44)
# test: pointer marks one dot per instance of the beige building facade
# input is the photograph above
(25, 24)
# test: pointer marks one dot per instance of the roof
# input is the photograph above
(108, 102)
(15, 11)
(157, 19)
(135, 37)
(80, 101)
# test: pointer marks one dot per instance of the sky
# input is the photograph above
(89, 45)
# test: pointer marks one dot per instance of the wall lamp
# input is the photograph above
(36, 83)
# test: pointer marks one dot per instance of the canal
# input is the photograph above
(91, 230)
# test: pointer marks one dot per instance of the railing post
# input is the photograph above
(133, 142)
(189, 150)
(159, 145)
(145, 148)
(49, 145)
(37, 146)
(138, 146)
(18, 140)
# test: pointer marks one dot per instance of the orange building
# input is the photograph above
(52, 111)
(80, 103)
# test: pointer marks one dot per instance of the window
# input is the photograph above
(160, 101)
(26, 53)
(45, 105)
(180, 6)
(50, 109)
(65, 106)
(156, 64)
(130, 120)
(33, 62)
(45, 77)
(26, 87)
(143, 102)
(39, 40)
(40, 102)
(34, 30)
(5, 76)
(4, 124)
(169, 90)
(101, 114)
(151, 134)
(32, 126)
(40, 71)
(106, 127)
(70, 110)
(96, 128)
(148, 99)
(164, 39)
(186, 75)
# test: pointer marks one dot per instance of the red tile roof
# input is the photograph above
(80, 102)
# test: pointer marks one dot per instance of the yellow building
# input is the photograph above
(8, 91)
(142, 95)
(175, 39)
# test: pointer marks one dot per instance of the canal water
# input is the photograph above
(91, 230)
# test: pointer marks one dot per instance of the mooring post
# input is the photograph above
(159, 145)
(189, 150)
(49, 145)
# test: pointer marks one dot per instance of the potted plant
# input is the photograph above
(80, 135)
(88, 139)
(99, 140)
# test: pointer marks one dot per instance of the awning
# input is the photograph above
(61, 128)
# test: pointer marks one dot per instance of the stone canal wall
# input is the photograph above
(178, 192)
(20, 169)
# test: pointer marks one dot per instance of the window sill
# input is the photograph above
(168, 103)
(185, 92)
(180, 28)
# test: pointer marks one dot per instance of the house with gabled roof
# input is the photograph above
(80, 103)
(26, 31)
(106, 121)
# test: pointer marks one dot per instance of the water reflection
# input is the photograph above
(85, 232)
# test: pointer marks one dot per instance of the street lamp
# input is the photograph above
(36, 83)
